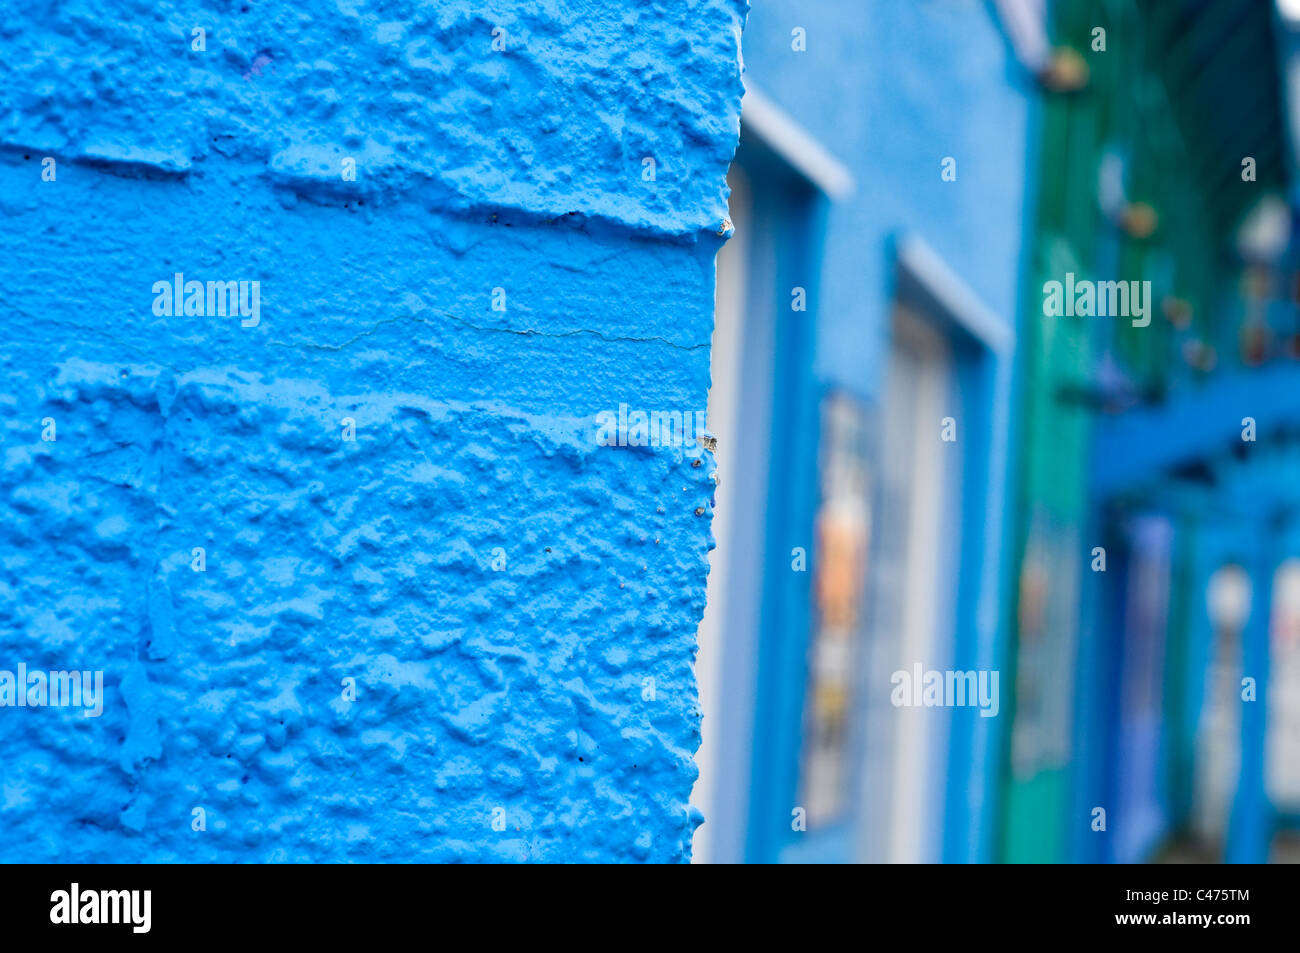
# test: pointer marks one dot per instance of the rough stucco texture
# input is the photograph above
(499, 585)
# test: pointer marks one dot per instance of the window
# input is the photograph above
(843, 531)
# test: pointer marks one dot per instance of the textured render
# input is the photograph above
(500, 587)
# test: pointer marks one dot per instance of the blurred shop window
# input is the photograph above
(912, 584)
(1147, 615)
(1228, 597)
(843, 530)
(1047, 619)
(1283, 694)
(1139, 803)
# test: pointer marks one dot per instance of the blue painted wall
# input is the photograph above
(890, 89)
(499, 586)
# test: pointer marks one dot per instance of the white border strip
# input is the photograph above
(954, 295)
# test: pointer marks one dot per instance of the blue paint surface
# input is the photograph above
(891, 89)
(522, 688)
